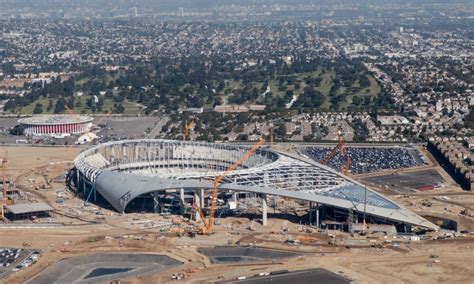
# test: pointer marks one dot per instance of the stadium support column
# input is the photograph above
(83, 186)
(197, 201)
(156, 202)
(181, 196)
(201, 197)
(317, 215)
(77, 181)
(264, 210)
(310, 213)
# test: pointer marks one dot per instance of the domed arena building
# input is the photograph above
(56, 124)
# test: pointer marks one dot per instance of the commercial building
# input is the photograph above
(28, 210)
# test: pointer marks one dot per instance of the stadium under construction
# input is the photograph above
(165, 176)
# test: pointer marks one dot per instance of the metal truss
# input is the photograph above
(184, 160)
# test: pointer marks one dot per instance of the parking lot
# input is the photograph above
(369, 159)
(243, 254)
(407, 182)
(317, 275)
(15, 259)
(115, 128)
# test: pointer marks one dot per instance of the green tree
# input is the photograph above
(38, 108)
(50, 106)
(60, 106)
(18, 130)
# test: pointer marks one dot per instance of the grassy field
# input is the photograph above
(130, 107)
(325, 86)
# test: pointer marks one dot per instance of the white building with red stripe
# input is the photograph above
(56, 124)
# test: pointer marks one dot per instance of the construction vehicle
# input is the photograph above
(45, 184)
(207, 224)
(224, 210)
(36, 184)
(306, 239)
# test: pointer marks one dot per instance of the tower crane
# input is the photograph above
(207, 224)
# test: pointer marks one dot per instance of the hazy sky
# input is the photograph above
(114, 8)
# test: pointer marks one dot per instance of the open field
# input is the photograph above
(129, 107)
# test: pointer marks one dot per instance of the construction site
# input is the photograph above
(151, 210)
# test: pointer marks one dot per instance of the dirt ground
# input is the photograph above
(438, 261)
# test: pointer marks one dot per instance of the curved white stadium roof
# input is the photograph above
(124, 170)
(56, 119)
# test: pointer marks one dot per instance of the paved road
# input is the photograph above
(157, 129)
(317, 275)
(30, 226)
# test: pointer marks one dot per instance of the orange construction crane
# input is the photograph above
(342, 151)
(188, 126)
(339, 146)
(207, 224)
(347, 166)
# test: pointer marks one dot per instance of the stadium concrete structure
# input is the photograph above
(56, 124)
(122, 171)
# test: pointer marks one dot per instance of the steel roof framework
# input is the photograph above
(176, 164)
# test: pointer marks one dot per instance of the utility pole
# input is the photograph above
(365, 197)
